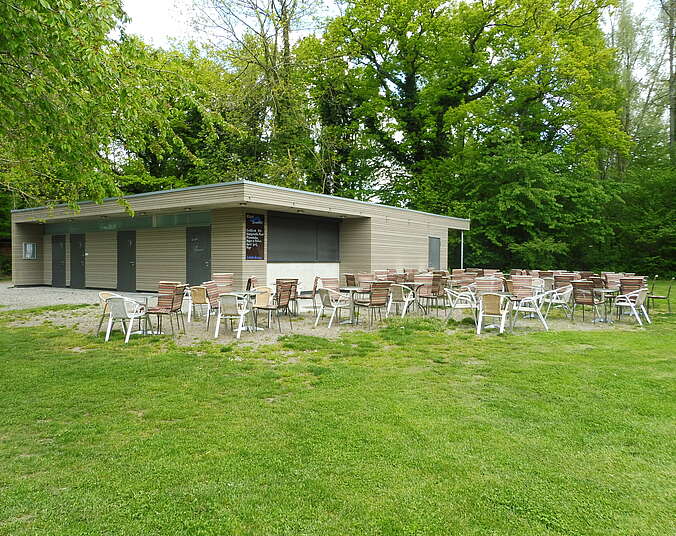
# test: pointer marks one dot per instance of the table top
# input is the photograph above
(353, 289)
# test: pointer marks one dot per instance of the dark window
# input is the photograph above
(295, 238)
(434, 249)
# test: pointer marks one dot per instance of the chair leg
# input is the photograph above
(478, 324)
(635, 313)
(110, 327)
(98, 330)
(240, 326)
(321, 312)
(128, 334)
(645, 314)
(542, 318)
(218, 326)
(333, 315)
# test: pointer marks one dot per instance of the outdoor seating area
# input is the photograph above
(364, 299)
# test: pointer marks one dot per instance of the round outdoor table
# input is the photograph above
(606, 293)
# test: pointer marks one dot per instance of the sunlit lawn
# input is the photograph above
(413, 429)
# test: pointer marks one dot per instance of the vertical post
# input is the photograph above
(462, 249)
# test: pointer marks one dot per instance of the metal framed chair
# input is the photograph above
(310, 294)
(280, 304)
(492, 305)
(225, 281)
(198, 297)
(634, 301)
(231, 307)
(400, 296)
(103, 296)
(169, 302)
(378, 297)
(123, 310)
(584, 295)
(330, 300)
(658, 297)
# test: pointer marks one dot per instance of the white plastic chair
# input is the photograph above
(559, 297)
(634, 302)
(463, 300)
(493, 305)
(122, 309)
(400, 295)
(103, 296)
(530, 305)
(230, 307)
(331, 300)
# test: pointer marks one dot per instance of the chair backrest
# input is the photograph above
(230, 305)
(331, 283)
(425, 280)
(263, 296)
(119, 306)
(198, 295)
(225, 281)
(613, 281)
(546, 273)
(583, 292)
(490, 271)
(485, 285)
(630, 284)
(494, 304)
(350, 280)
(522, 286)
(103, 296)
(397, 292)
(165, 294)
(212, 292)
(363, 280)
(380, 274)
(315, 284)
(586, 275)
(284, 292)
(177, 301)
(597, 281)
(293, 282)
(380, 292)
(325, 297)
(561, 280)
(252, 282)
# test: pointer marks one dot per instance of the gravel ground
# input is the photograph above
(12, 298)
(86, 319)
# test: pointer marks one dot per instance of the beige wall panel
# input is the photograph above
(160, 256)
(355, 246)
(101, 260)
(227, 248)
(47, 264)
(27, 272)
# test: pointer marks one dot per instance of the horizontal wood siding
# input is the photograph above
(355, 245)
(24, 271)
(101, 260)
(403, 243)
(160, 256)
(227, 247)
(47, 264)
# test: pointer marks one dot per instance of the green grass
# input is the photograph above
(412, 429)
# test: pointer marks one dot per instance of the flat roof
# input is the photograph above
(464, 223)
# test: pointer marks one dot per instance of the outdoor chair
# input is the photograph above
(169, 302)
(457, 271)
(225, 282)
(103, 296)
(483, 285)
(584, 295)
(252, 282)
(530, 305)
(463, 300)
(492, 305)
(310, 295)
(198, 296)
(331, 283)
(666, 296)
(293, 303)
(377, 299)
(263, 299)
(613, 281)
(212, 294)
(280, 304)
(634, 301)
(560, 298)
(586, 275)
(425, 292)
(545, 273)
(123, 310)
(380, 275)
(562, 280)
(364, 280)
(231, 307)
(631, 284)
(330, 300)
(400, 296)
(350, 280)
(598, 282)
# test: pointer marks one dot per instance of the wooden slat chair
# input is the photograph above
(377, 299)
(584, 295)
(660, 297)
(294, 291)
(310, 294)
(252, 282)
(613, 280)
(364, 280)
(563, 280)
(457, 271)
(598, 282)
(169, 302)
(631, 284)
(425, 291)
(410, 274)
(212, 297)
(198, 296)
(522, 286)
(350, 280)
(281, 303)
(263, 299)
(225, 281)
(331, 283)
(545, 273)
(586, 275)
(483, 285)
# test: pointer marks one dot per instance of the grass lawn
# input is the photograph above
(412, 429)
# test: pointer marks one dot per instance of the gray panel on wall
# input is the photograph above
(298, 238)
(434, 256)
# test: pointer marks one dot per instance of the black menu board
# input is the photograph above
(255, 236)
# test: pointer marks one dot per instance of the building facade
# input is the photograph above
(249, 229)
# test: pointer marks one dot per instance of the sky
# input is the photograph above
(158, 21)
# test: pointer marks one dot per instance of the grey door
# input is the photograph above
(126, 261)
(198, 254)
(58, 260)
(77, 261)
(434, 252)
